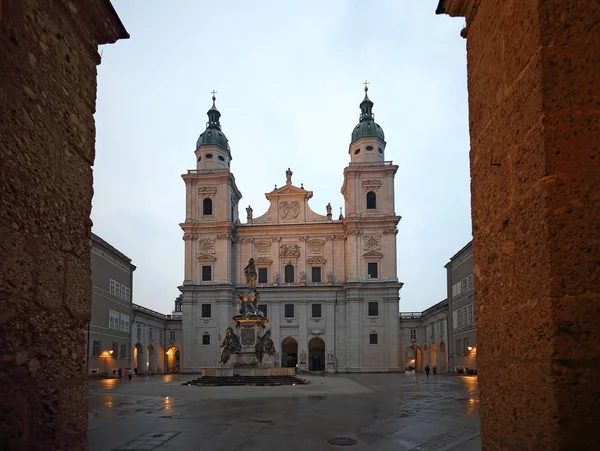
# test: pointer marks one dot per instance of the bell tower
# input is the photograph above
(368, 190)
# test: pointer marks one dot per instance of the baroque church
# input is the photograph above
(328, 286)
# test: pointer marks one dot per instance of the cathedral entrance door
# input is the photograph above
(289, 353)
(316, 354)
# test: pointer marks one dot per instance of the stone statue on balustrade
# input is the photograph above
(230, 345)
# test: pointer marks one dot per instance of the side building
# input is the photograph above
(157, 340)
(424, 338)
(461, 301)
(109, 338)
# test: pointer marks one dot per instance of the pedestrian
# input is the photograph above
(129, 373)
(434, 369)
(427, 370)
(120, 373)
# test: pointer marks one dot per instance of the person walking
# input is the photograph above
(129, 372)
(120, 371)
(427, 370)
(434, 369)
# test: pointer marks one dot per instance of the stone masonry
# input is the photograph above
(534, 110)
(48, 58)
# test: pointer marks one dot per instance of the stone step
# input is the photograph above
(246, 380)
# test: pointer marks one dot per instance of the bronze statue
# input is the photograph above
(250, 272)
(231, 345)
(264, 345)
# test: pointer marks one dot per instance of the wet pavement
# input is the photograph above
(379, 411)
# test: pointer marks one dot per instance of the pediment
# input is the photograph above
(316, 260)
(289, 191)
(263, 261)
(206, 258)
(373, 254)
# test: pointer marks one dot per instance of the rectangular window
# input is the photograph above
(113, 287)
(463, 285)
(373, 308)
(465, 316)
(373, 339)
(455, 319)
(460, 318)
(413, 334)
(316, 310)
(127, 294)
(206, 273)
(114, 320)
(470, 282)
(205, 339)
(115, 349)
(206, 311)
(125, 322)
(316, 274)
(372, 270)
(139, 330)
(95, 347)
(263, 309)
(470, 314)
(172, 335)
(123, 352)
(289, 310)
(262, 275)
(459, 350)
(456, 289)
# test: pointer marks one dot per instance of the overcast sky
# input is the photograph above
(289, 80)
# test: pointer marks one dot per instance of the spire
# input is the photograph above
(366, 106)
(213, 114)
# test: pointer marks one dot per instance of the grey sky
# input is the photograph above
(288, 76)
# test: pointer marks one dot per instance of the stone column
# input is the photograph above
(49, 53)
(534, 110)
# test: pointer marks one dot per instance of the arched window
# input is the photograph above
(207, 206)
(289, 274)
(371, 200)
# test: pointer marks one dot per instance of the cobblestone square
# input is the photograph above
(380, 411)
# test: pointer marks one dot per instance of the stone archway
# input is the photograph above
(442, 357)
(289, 353)
(316, 354)
(173, 357)
(433, 358)
(414, 358)
(138, 358)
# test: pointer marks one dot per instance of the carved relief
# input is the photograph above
(206, 258)
(206, 246)
(372, 242)
(315, 247)
(316, 260)
(289, 250)
(205, 191)
(373, 254)
(263, 261)
(371, 185)
(294, 209)
(316, 332)
(221, 236)
(390, 230)
(189, 237)
(284, 210)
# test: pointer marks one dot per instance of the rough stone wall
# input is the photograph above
(48, 58)
(534, 110)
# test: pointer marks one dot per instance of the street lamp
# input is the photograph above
(470, 348)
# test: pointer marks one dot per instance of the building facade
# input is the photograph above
(461, 301)
(157, 340)
(328, 286)
(109, 337)
(424, 338)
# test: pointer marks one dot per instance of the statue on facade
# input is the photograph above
(264, 345)
(288, 177)
(276, 278)
(249, 213)
(230, 345)
(302, 277)
(302, 356)
(250, 272)
(328, 207)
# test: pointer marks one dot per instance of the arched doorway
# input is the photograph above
(289, 353)
(425, 356)
(151, 360)
(433, 358)
(316, 354)
(138, 358)
(413, 359)
(442, 355)
(161, 360)
(172, 360)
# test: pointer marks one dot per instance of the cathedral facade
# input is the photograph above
(327, 286)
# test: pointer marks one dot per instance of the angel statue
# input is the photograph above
(250, 272)
(231, 345)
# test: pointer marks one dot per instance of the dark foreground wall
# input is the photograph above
(48, 58)
(534, 113)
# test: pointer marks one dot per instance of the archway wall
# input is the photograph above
(533, 83)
